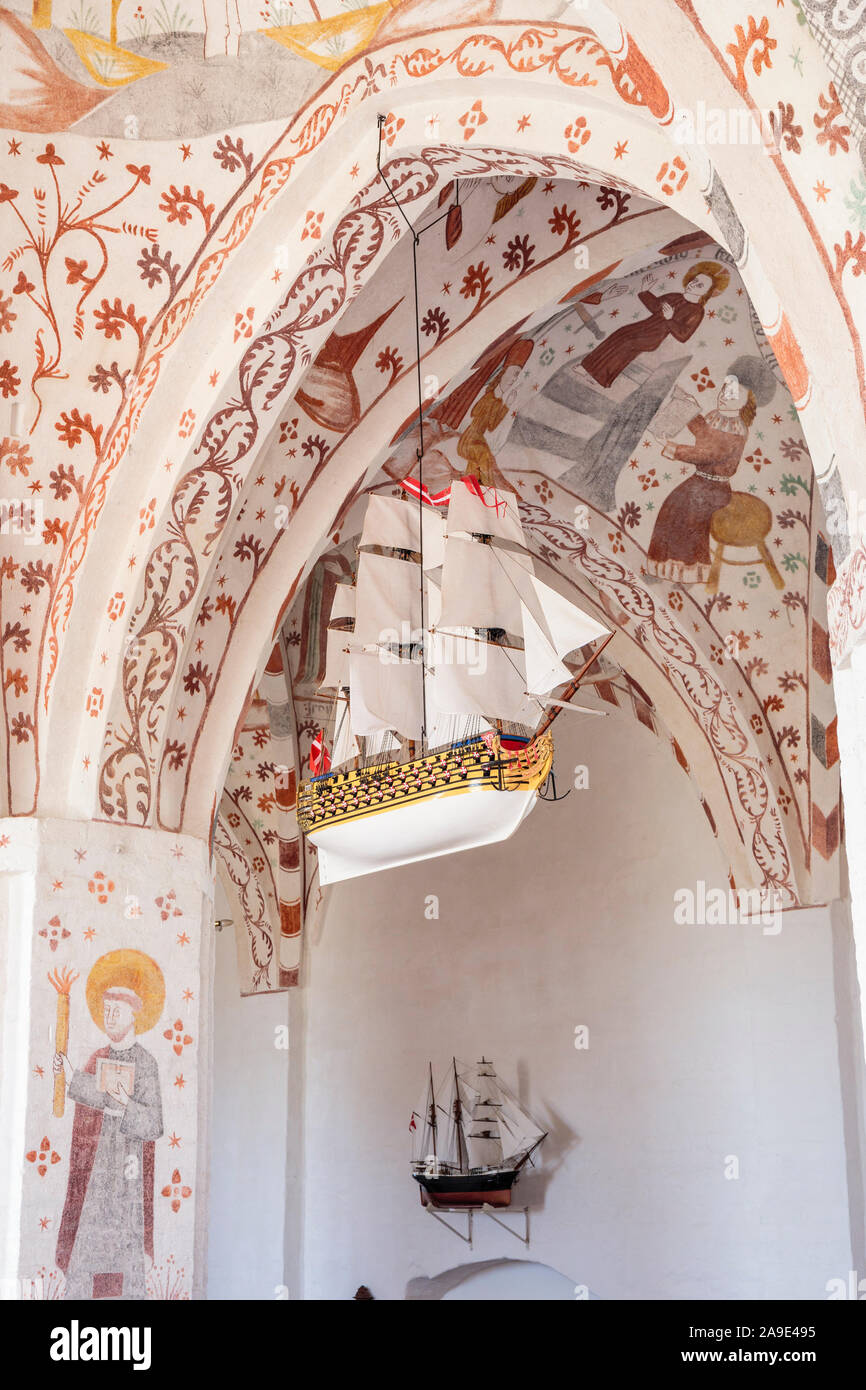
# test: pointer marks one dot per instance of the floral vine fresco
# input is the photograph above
(115, 243)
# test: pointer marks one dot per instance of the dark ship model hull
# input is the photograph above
(467, 1189)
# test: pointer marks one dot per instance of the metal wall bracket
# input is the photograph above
(512, 1211)
(494, 1213)
(460, 1211)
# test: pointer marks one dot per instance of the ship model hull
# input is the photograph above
(373, 818)
(467, 1190)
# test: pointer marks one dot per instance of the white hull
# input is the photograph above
(444, 823)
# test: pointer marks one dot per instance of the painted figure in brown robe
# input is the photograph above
(680, 546)
(676, 315)
(107, 1225)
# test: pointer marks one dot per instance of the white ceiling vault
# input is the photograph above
(207, 360)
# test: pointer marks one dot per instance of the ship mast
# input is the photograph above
(458, 1121)
(419, 452)
(431, 1118)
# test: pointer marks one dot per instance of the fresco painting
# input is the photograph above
(592, 346)
(111, 1161)
(107, 1224)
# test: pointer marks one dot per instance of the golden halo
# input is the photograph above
(127, 969)
(717, 273)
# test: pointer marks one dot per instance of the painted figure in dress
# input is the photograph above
(106, 1230)
(680, 546)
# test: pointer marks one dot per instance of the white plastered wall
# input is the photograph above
(708, 1045)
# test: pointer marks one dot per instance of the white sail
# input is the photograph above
(343, 605)
(518, 1131)
(345, 745)
(472, 677)
(544, 670)
(388, 606)
(468, 514)
(482, 1130)
(398, 525)
(567, 625)
(337, 649)
(455, 1151)
(384, 695)
(482, 586)
(426, 1134)
(485, 1148)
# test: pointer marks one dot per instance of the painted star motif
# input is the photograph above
(104, 150)
(89, 933)
(277, 276)
(186, 152)
(620, 149)
(174, 1141)
(523, 123)
(446, 288)
(187, 996)
(44, 1223)
(214, 378)
(177, 851)
(179, 1082)
(39, 1071)
(14, 147)
(183, 939)
(57, 885)
(85, 763)
(821, 190)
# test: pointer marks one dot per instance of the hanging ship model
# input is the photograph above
(476, 1154)
(442, 659)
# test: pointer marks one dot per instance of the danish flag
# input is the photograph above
(320, 758)
(433, 499)
(441, 499)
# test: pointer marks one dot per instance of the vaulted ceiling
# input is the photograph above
(208, 297)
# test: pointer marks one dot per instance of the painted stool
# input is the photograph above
(744, 522)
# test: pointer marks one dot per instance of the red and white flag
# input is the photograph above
(489, 497)
(433, 499)
(320, 758)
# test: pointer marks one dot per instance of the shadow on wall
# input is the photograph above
(496, 1280)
